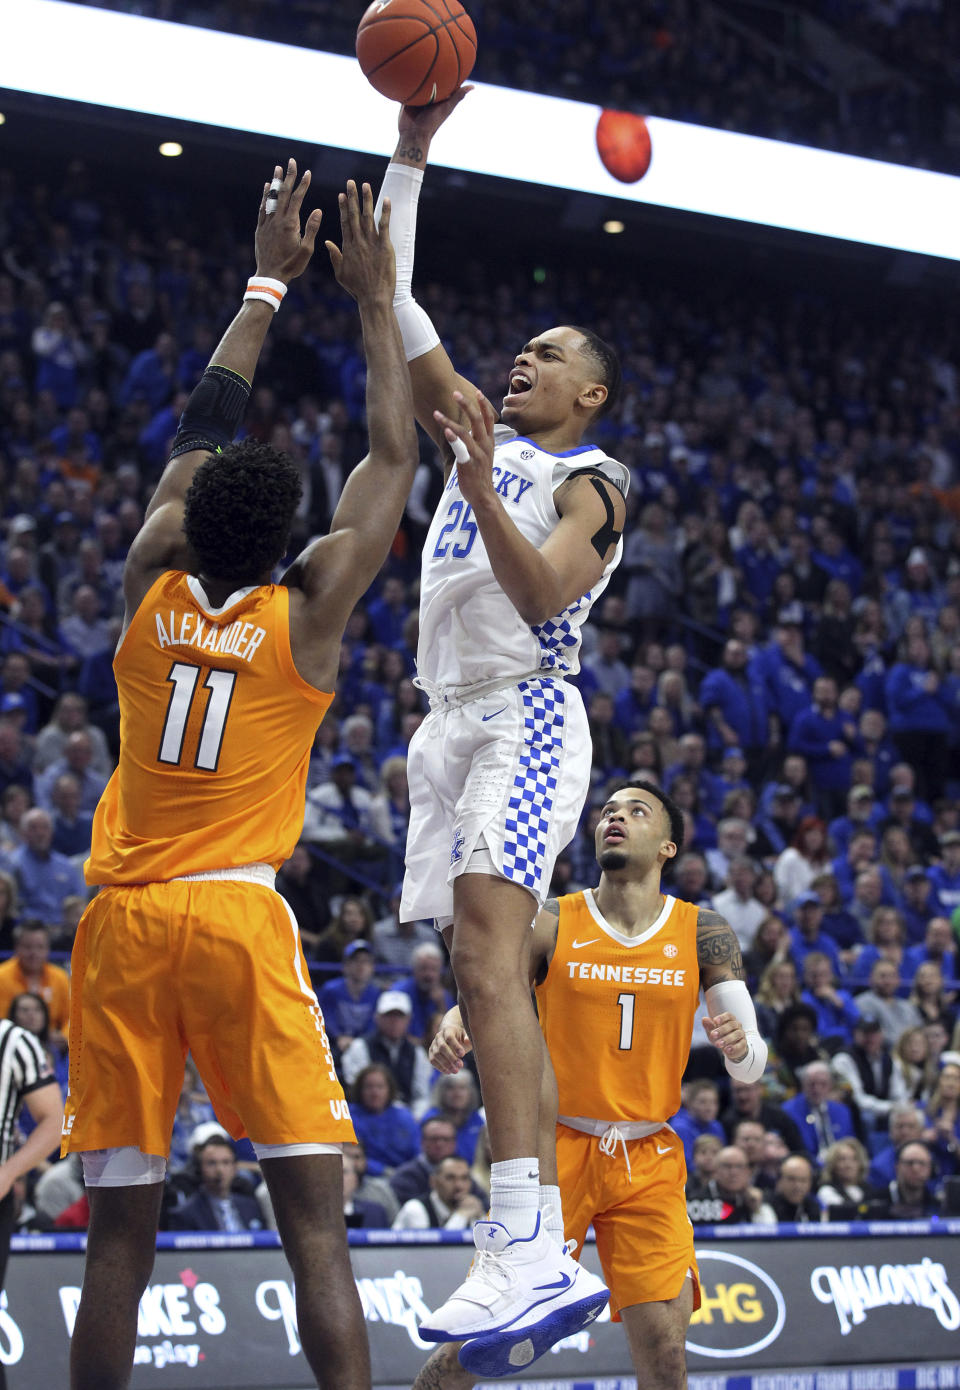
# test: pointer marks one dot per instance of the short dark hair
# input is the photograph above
(44, 1033)
(217, 1141)
(607, 363)
(674, 813)
(239, 509)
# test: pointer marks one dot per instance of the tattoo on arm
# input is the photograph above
(410, 152)
(718, 950)
(552, 906)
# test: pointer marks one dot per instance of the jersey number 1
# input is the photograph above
(184, 679)
(627, 1004)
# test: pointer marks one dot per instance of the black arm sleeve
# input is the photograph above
(213, 413)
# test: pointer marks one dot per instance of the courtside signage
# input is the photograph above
(741, 1307)
(131, 64)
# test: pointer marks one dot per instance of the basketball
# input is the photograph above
(416, 51)
(623, 144)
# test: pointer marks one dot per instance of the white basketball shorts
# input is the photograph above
(513, 767)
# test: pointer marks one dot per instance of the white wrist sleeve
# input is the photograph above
(401, 184)
(732, 997)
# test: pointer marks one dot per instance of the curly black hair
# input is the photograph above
(239, 509)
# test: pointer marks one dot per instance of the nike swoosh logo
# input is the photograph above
(485, 717)
(667, 1150)
(563, 1282)
(577, 945)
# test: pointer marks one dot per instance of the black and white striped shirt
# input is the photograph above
(23, 1068)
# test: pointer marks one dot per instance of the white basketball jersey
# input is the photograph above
(470, 632)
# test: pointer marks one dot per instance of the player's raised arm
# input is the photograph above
(732, 1022)
(433, 375)
(539, 583)
(334, 571)
(217, 404)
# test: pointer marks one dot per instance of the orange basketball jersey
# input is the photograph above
(617, 1012)
(216, 727)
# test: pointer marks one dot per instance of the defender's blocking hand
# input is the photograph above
(365, 264)
(283, 252)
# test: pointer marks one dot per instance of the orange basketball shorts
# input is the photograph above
(644, 1238)
(213, 967)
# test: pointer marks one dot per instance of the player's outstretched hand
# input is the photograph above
(283, 251)
(365, 264)
(449, 1047)
(419, 124)
(726, 1033)
(471, 444)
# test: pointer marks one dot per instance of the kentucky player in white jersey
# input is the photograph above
(525, 537)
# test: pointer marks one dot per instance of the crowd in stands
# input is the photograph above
(778, 650)
(678, 58)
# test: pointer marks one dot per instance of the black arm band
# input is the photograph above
(213, 413)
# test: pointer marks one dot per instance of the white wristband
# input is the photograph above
(270, 291)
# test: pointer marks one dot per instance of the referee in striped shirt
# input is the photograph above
(27, 1078)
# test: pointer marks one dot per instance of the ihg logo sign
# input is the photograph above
(741, 1308)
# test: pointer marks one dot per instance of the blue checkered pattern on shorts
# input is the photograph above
(558, 634)
(535, 785)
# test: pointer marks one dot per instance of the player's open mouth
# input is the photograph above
(519, 384)
(615, 832)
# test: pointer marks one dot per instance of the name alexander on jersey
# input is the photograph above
(239, 639)
(625, 974)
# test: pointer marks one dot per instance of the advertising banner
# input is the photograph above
(221, 1316)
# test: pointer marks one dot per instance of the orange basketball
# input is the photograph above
(623, 143)
(416, 51)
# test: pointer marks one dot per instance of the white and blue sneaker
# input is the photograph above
(520, 1297)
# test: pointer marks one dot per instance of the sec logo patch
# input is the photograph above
(670, 950)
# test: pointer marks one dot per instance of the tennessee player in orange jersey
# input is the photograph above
(617, 973)
(223, 679)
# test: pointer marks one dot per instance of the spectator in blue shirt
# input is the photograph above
(918, 904)
(885, 941)
(806, 936)
(938, 947)
(778, 822)
(874, 743)
(784, 670)
(733, 705)
(837, 923)
(72, 828)
(44, 877)
(919, 718)
(861, 810)
(78, 760)
(386, 1130)
(945, 876)
(429, 998)
(825, 735)
(905, 813)
(388, 613)
(458, 1101)
(861, 852)
(692, 763)
(632, 706)
(348, 1004)
(837, 1014)
(698, 1115)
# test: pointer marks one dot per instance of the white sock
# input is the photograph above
(551, 1212)
(515, 1194)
